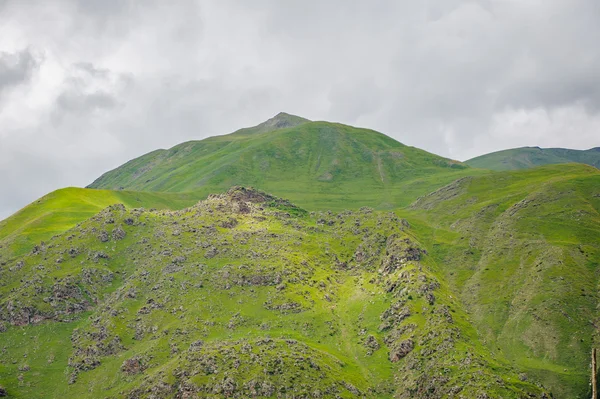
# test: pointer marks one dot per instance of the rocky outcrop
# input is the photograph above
(401, 349)
(399, 251)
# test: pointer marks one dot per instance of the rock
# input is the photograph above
(371, 343)
(132, 366)
(99, 255)
(196, 345)
(3, 392)
(351, 388)
(289, 307)
(430, 298)
(179, 259)
(103, 236)
(399, 251)
(229, 223)
(18, 266)
(118, 233)
(227, 387)
(401, 349)
(211, 253)
(171, 268)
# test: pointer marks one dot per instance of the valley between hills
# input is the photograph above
(300, 259)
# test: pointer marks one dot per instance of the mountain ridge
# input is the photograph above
(398, 272)
(527, 157)
(303, 304)
(318, 158)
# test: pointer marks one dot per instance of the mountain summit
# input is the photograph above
(484, 287)
(280, 121)
(283, 155)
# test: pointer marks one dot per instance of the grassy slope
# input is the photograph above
(62, 209)
(521, 248)
(537, 258)
(162, 288)
(317, 164)
(529, 157)
(488, 247)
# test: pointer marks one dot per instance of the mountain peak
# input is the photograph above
(280, 121)
(283, 120)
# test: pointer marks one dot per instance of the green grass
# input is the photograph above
(529, 157)
(315, 162)
(63, 209)
(232, 301)
(515, 254)
(317, 165)
(521, 249)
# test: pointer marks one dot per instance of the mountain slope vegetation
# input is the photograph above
(529, 157)
(321, 166)
(521, 249)
(62, 209)
(241, 295)
(308, 163)
(391, 272)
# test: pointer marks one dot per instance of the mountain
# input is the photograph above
(295, 158)
(318, 165)
(520, 249)
(242, 295)
(62, 209)
(529, 157)
(280, 121)
(387, 272)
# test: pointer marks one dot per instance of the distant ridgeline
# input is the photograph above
(371, 269)
(529, 157)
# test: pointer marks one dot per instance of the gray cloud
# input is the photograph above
(16, 68)
(121, 78)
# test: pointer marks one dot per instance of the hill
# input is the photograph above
(309, 162)
(529, 157)
(63, 209)
(242, 295)
(318, 165)
(520, 248)
(480, 284)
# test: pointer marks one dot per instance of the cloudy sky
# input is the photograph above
(87, 85)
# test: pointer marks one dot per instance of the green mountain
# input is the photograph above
(63, 209)
(305, 161)
(242, 295)
(318, 165)
(520, 249)
(390, 272)
(529, 157)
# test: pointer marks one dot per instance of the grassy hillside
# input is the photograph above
(310, 163)
(521, 250)
(529, 157)
(488, 286)
(242, 295)
(320, 166)
(62, 209)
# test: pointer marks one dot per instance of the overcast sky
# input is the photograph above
(87, 85)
